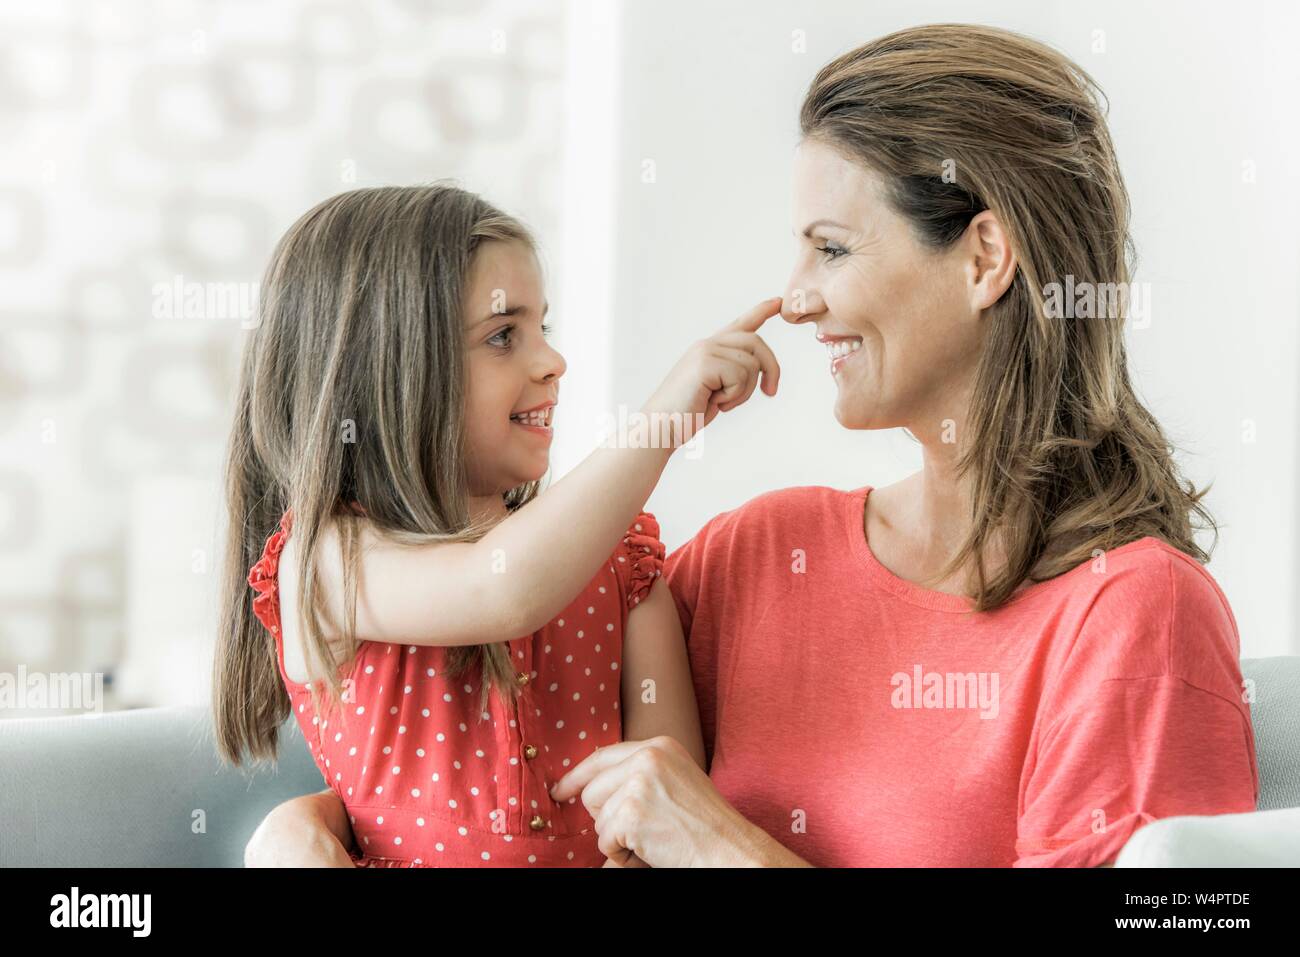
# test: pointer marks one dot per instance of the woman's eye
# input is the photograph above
(832, 251)
(546, 329)
(497, 336)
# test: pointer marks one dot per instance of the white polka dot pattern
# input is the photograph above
(473, 781)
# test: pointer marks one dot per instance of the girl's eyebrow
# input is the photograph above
(512, 311)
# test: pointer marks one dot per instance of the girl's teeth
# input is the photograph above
(532, 418)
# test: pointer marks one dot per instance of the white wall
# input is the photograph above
(144, 144)
(710, 92)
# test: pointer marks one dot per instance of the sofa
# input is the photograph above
(145, 788)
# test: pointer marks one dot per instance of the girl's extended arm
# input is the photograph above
(525, 570)
(658, 693)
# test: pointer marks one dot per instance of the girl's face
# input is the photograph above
(513, 373)
(863, 280)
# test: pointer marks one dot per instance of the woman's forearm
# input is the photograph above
(754, 847)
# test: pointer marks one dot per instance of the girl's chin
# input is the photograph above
(535, 474)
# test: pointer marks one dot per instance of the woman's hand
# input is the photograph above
(307, 831)
(721, 372)
(654, 806)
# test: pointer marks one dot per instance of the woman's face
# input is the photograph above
(513, 373)
(866, 283)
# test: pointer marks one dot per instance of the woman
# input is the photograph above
(1014, 656)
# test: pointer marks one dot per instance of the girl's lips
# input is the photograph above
(544, 430)
(537, 420)
(541, 415)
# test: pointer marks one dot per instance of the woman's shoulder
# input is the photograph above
(802, 514)
(1150, 575)
(797, 505)
(1148, 609)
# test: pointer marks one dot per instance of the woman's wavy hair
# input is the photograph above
(1064, 460)
(352, 391)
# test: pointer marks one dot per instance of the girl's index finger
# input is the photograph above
(752, 320)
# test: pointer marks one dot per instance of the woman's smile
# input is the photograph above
(840, 348)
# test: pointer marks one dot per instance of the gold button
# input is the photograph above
(537, 823)
(522, 678)
(530, 752)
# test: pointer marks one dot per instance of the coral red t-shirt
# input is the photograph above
(862, 720)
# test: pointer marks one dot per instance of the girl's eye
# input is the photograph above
(832, 251)
(502, 338)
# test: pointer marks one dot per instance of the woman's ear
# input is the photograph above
(991, 260)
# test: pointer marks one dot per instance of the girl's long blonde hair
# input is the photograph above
(1063, 457)
(352, 390)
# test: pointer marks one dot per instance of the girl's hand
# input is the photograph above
(719, 373)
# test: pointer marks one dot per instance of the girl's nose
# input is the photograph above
(551, 365)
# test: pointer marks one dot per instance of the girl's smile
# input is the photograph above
(536, 420)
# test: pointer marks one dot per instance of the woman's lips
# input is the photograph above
(842, 349)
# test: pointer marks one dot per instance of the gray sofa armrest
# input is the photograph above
(136, 788)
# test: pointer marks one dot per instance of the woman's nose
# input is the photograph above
(800, 304)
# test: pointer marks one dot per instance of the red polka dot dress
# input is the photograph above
(429, 779)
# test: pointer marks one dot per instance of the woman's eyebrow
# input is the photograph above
(807, 230)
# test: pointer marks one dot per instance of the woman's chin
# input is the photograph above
(851, 414)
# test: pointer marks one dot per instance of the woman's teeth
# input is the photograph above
(841, 350)
(843, 347)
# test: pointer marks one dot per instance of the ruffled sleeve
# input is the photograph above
(262, 577)
(640, 558)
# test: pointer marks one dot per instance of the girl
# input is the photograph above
(449, 639)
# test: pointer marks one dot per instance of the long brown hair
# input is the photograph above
(1063, 458)
(351, 391)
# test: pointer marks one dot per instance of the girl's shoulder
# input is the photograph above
(264, 575)
(639, 559)
(274, 580)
